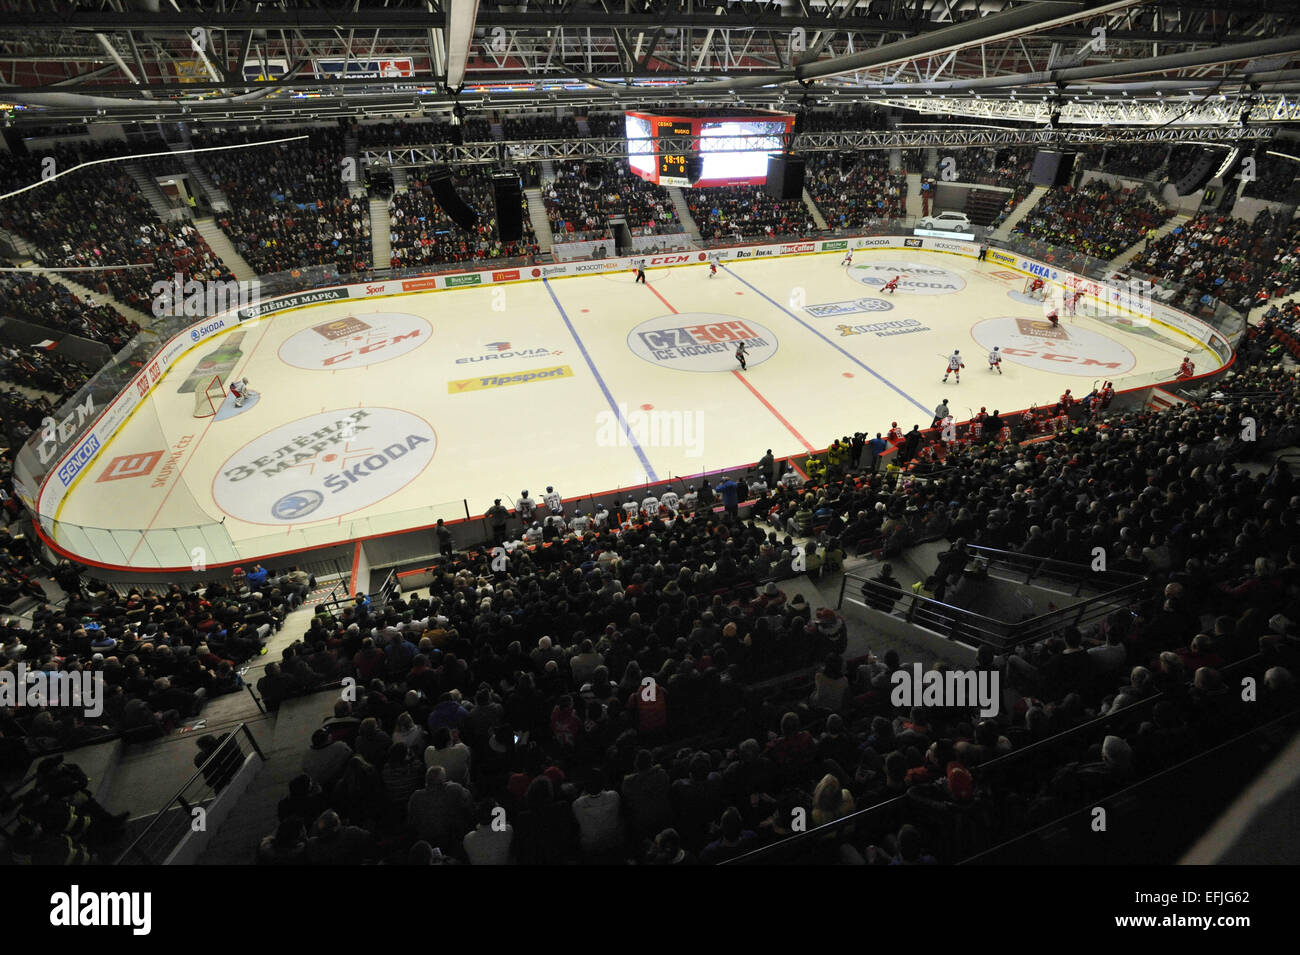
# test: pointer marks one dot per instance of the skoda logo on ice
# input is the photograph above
(913, 278)
(297, 505)
(324, 466)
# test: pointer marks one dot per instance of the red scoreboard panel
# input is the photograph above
(733, 149)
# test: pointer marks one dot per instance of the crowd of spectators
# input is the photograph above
(1134, 160)
(97, 218)
(1219, 257)
(423, 234)
(1093, 219)
(746, 212)
(39, 368)
(163, 655)
(1276, 179)
(856, 188)
(404, 133)
(32, 297)
(596, 700)
(534, 128)
(289, 203)
(582, 197)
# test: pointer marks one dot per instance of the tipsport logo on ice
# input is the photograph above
(854, 307)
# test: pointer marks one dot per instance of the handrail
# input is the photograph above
(980, 770)
(1133, 787)
(232, 738)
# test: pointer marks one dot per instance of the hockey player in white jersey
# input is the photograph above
(601, 518)
(848, 258)
(757, 485)
(554, 504)
(791, 477)
(669, 500)
(690, 500)
(995, 359)
(534, 533)
(239, 388)
(578, 523)
(556, 521)
(525, 507)
(955, 365)
(633, 510)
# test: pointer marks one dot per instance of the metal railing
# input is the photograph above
(967, 626)
(175, 819)
(792, 848)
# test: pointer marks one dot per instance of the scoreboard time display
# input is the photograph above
(672, 164)
(732, 148)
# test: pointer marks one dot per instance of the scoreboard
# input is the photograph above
(672, 165)
(729, 149)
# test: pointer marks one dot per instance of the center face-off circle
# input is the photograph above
(1074, 351)
(324, 466)
(914, 278)
(355, 341)
(701, 341)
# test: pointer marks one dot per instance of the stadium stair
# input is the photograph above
(357, 187)
(914, 204)
(814, 211)
(400, 181)
(149, 189)
(498, 133)
(221, 245)
(216, 198)
(381, 237)
(99, 298)
(17, 242)
(1019, 212)
(537, 216)
(1131, 253)
(548, 171)
(684, 213)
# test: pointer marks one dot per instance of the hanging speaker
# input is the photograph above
(784, 176)
(1052, 168)
(445, 195)
(1200, 173)
(509, 197)
(694, 168)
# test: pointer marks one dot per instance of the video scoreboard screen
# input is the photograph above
(672, 165)
(732, 150)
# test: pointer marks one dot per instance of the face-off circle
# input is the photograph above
(324, 466)
(1034, 343)
(701, 341)
(355, 341)
(913, 278)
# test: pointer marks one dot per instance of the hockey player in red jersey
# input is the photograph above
(1054, 318)
(892, 285)
(1187, 369)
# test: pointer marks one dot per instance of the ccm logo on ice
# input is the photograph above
(75, 908)
(375, 462)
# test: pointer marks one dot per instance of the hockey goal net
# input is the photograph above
(1043, 290)
(208, 397)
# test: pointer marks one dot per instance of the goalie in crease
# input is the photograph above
(240, 390)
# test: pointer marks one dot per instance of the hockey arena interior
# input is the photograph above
(456, 433)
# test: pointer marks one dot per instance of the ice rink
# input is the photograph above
(389, 413)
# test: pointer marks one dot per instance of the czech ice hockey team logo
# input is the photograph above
(498, 346)
(701, 342)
